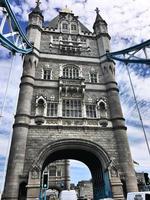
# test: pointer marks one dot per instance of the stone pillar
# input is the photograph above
(84, 110)
(20, 131)
(125, 160)
(67, 180)
(60, 108)
(33, 187)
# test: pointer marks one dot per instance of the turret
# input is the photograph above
(35, 25)
(103, 38)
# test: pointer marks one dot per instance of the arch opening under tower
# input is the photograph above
(92, 155)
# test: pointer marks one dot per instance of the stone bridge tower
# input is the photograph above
(69, 108)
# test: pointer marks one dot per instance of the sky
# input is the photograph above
(128, 24)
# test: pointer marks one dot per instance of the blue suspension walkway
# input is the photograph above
(136, 54)
(11, 34)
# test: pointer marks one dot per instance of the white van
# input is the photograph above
(68, 195)
(138, 195)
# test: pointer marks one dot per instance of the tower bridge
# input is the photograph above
(68, 106)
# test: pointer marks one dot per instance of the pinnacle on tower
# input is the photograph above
(37, 9)
(98, 19)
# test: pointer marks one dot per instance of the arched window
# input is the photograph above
(41, 107)
(71, 72)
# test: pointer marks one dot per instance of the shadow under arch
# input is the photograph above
(91, 154)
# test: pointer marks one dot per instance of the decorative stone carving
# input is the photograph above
(102, 110)
(41, 107)
(35, 173)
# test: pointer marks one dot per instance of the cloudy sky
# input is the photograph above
(128, 24)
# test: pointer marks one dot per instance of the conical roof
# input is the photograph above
(37, 10)
(98, 18)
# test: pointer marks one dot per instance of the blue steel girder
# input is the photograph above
(11, 34)
(136, 54)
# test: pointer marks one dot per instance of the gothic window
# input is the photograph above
(52, 171)
(102, 107)
(93, 77)
(71, 108)
(47, 74)
(52, 109)
(91, 111)
(41, 105)
(71, 72)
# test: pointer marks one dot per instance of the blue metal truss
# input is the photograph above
(11, 34)
(136, 54)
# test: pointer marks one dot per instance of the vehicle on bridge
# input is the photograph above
(68, 195)
(138, 195)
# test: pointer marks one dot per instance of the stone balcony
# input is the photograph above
(71, 86)
(74, 122)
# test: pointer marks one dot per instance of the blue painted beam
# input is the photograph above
(6, 42)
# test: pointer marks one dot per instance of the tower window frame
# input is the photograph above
(52, 171)
(52, 109)
(73, 27)
(71, 72)
(93, 77)
(47, 74)
(72, 108)
(64, 26)
(91, 111)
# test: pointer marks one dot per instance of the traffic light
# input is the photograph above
(45, 181)
(147, 180)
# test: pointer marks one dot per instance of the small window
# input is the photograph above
(91, 111)
(52, 171)
(65, 26)
(72, 108)
(47, 74)
(52, 109)
(73, 27)
(83, 40)
(74, 38)
(93, 77)
(55, 38)
(58, 172)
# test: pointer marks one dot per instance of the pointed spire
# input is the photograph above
(98, 18)
(38, 2)
(37, 9)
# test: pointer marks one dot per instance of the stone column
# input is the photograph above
(20, 130)
(67, 177)
(33, 187)
(125, 160)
